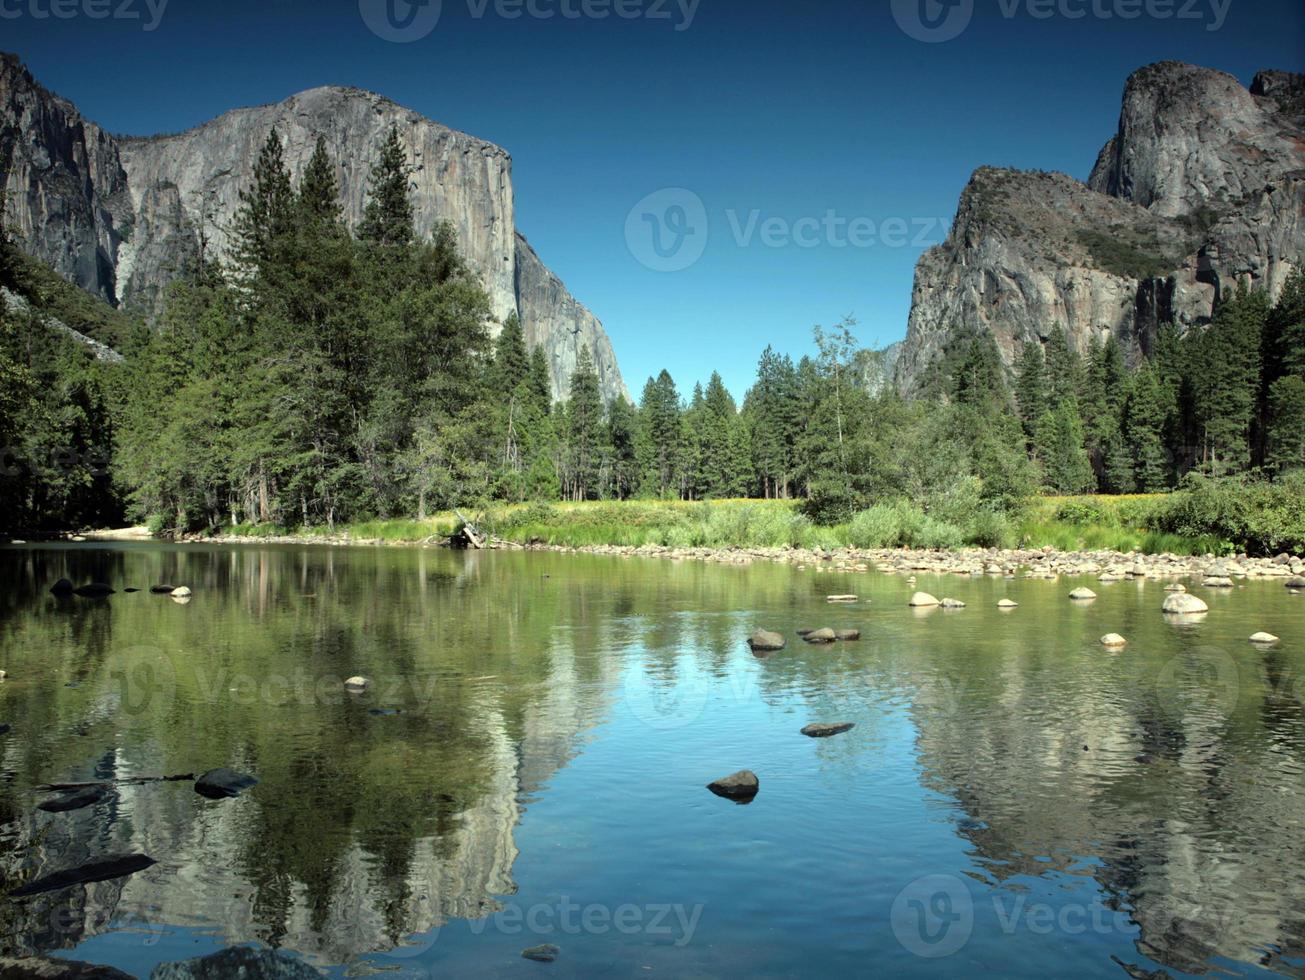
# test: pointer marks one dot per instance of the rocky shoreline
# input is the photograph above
(1038, 563)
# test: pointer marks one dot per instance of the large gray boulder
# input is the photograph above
(239, 962)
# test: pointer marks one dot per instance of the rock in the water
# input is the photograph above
(3, 674)
(825, 635)
(1183, 603)
(163, 589)
(51, 968)
(96, 590)
(237, 961)
(1217, 582)
(1175, 587)
(1007, 604)
(741, 786)
(824, 731)
(1265, 638)
(543, 953)
(1296, 582)
(1113, 640)
(222, 784)
(77, 799)
(765, 640)
(180, 592)
(4, 729)
(356, 684)
(1082, 594)
(840, 598)
(129, 591)
(922, 599)
(103, 870)
(949, 603)
(848, 634)
(62, 588)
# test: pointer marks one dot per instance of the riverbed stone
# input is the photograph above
(76, 799)
(1082, 594)
(62, 588)
(162, 589)
(237, 961)
(1296, 582)
(223, 784)
(922, 599)
(1113, 640)
(1183, 603)
(1007, 604)
(950, 603)
(95, 590)
(765, 640)
(825, 731)
(356, 684)
(52, 968)
(823, 635)
(740, 786)
(543, 953)
(1217, 582)
(840, 598)
(847, 634)
(181, 592)
(1264, 638)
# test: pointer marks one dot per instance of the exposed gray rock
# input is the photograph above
(543, 953)
(77, 799)
(764, 640)
(101, 352)
(847, 634)
(105, 869)
(824, 731)
(49, 968)
(823, 635)
(1202, 187)
(1183, 603)
(121, 216)
(1081, 595)
(741, 786)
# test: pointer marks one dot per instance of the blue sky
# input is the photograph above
(800, 127)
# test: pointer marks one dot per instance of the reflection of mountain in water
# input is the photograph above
(365, 830)
(1160, 774)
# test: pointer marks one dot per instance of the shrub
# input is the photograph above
(935, 534)
(989, 529)
(1083, 512)
(878, 527)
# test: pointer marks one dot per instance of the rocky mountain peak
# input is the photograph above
(118, 215)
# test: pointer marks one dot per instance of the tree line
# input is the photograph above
(325, 374)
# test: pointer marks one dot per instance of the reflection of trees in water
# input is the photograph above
(1188, 802)
(365, 828)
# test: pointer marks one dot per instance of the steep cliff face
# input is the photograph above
(1202, 187)
(66, 191)
(128, 211)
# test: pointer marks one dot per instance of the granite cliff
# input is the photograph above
(119, 215)
(1201, 188)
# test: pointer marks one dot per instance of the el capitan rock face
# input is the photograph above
(119, 215)
(1201, 188)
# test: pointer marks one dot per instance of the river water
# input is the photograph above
(528, 765)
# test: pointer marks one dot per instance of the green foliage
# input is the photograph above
(1253, 515)
(1128, 253)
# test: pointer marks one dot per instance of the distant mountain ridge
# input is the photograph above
(118, 215)
(1201, 188)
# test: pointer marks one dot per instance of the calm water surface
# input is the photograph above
(529, 767)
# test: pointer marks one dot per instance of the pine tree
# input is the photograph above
(622, 466)
(1031, 385)
(511, 359)
(1229, 359)
(659, 410)
(388, 216)
(1064, 367)
(540, 381)
(723, 464)
(318, 201)
(1286, 435)
(1146, 411)
(1065, 463)
(584, 433)
(266, 216)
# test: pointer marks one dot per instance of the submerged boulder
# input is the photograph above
(847, 634)
(1082, 595)
(922, 599)
(824, 635)
(222, 784)
(77, 799)
(1007, 604)
(163, 589)
(740, 787)
(50, 968)
(1264, 638)
(1113, 640)
(105, 869)
(237, 961)
(824, 731)
(96, 590)
(543, 953)
(181, 592)
(62, 588)
(840, 598)
(765, 640)
(1183, 603)
(356, 684)
(949, 603)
